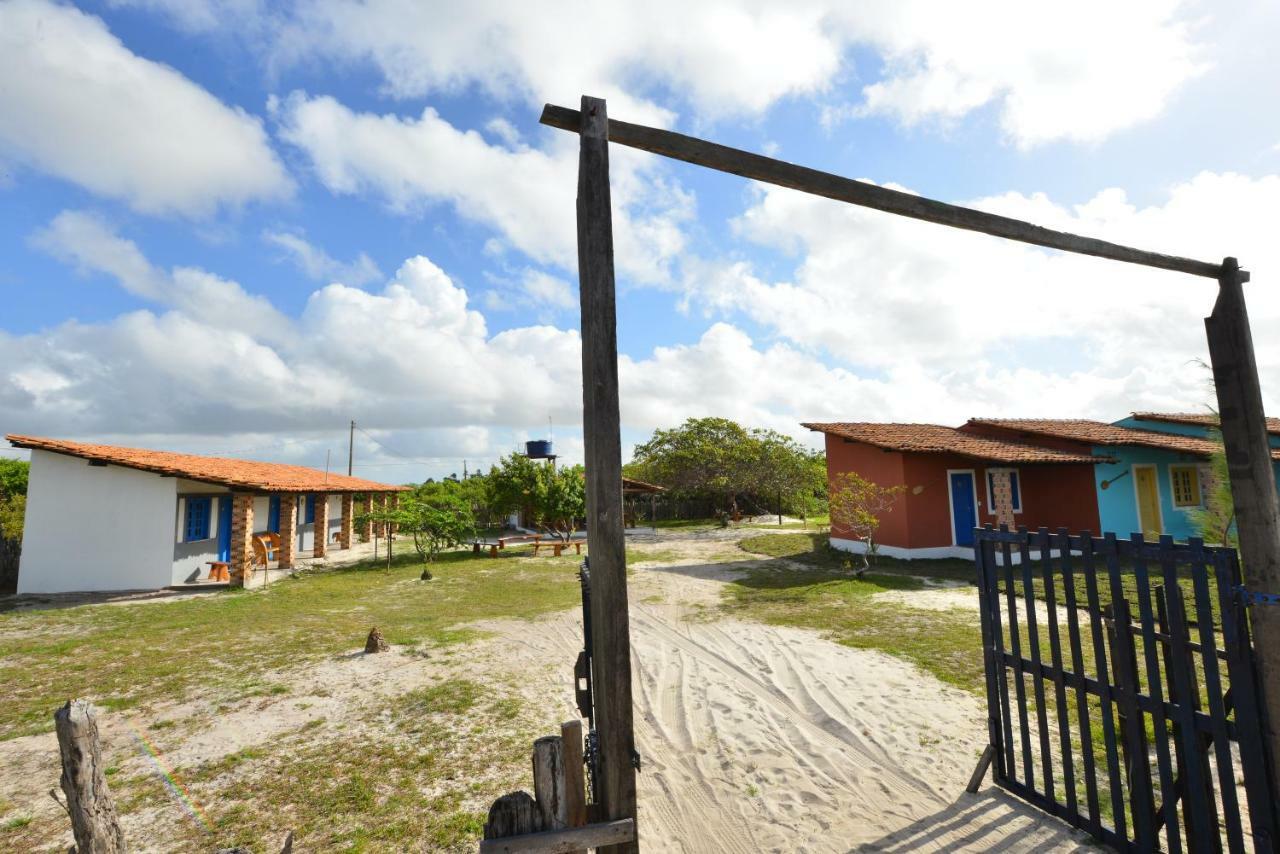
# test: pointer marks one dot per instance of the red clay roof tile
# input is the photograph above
(936, 439)
(1101, 433)
(1199, 419)
(239, 474)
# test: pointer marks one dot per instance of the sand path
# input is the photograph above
(764, 738)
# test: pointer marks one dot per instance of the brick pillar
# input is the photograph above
(393, 503)
(241, 537)
(321, 529)
(1002, 498)
(366, 527)
(348, 509)
(288, 530)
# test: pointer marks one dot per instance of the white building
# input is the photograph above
(101, 517)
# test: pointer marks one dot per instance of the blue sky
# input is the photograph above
(233, 227)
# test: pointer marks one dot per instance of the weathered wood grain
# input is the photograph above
(1253, 484)
(575, 795)
(94, 822)
(513, 814)
(548, 781)
(760, 168)
(610, 624)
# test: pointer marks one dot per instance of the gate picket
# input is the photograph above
(1142, 696)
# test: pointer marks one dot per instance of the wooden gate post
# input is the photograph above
(1253, 484)
(610, 625)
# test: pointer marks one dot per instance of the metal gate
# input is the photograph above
(1116, 703)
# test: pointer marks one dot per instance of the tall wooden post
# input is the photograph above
(610, 624)
(1253, 483)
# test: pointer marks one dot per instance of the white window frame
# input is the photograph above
(1173, 492)
(991, 502)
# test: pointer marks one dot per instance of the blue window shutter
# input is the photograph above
(1017, 493)
(273, 514)
(311, 509)
(197, 521)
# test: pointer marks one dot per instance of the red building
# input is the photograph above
(952, 481)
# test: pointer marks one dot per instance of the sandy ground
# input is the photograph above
(753, 737)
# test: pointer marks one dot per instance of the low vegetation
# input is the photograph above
(227, 644)
(826, 595)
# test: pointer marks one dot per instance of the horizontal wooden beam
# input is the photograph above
(760, 168)
(569, 839)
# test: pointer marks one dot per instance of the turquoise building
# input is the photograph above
(1154, 469)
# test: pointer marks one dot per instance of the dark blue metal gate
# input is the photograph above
(1114, 705)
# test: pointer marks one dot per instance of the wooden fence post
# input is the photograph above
(93, 815)
(1253, 484)
(610, 625)
(548, 781)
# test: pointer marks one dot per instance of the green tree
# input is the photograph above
(703, 456)
(562, 500)
(1216, 520)
(553, 498)
(784, 471)
(722, 460)
(513, 484)
(12, 511)
(14, 476)
(437, 516)
(857, 505)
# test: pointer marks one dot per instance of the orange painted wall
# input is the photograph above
(1053, 496)
(880, 467)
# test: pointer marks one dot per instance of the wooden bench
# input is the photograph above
(558, 546)
(219, 570)
(502, 542)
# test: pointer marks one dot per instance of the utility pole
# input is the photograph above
(351, 448)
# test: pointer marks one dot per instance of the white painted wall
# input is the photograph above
(95, 527)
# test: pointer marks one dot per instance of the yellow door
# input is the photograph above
(1148, 501)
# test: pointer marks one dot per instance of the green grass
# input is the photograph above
(227, 644)
(416, 773)
(812, 549)
(827, 597)
(686, 524)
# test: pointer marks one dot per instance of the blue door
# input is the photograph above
(273, 514)
(964, 514)
(224, 527)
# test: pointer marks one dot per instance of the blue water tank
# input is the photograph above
(538, 449)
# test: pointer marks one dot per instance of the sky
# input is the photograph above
(235, 227)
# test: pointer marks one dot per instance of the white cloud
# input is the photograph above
(320, 265)
(79, 105)
(92, 246)
(1077, 71)
(417, 362)
(726, 57)
(882, 294)
(526, 194)
(201, 16)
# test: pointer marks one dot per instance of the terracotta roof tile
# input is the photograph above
(1101, 433)
(241, 474)
(936, 439)
(1198, 419)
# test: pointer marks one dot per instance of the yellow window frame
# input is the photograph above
(1184, 481)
